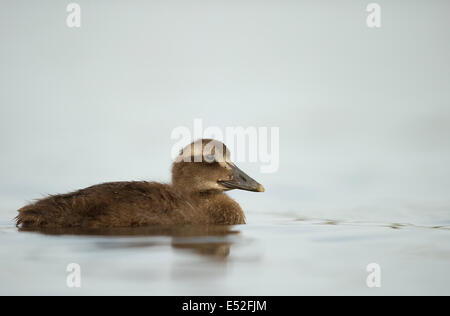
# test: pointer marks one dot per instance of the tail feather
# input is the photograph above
(30, 216)
(42, 213)
(54, 211)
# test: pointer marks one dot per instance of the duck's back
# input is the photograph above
(111, 204)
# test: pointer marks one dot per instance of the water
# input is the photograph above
(271, 255)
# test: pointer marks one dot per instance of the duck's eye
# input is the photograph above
(209, 158)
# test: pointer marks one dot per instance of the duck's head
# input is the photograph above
(205, 166)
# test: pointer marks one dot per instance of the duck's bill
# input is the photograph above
(241, 181)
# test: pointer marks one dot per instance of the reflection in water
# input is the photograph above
(203, 240)
(219, 250)
(316, 256)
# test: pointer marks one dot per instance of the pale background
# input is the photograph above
(363, 113)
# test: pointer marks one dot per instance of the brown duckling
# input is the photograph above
(201, 175)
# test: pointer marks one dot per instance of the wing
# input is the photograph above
(114, 204)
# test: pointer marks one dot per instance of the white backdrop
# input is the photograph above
(363, 113)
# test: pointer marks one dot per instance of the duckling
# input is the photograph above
(201, 175)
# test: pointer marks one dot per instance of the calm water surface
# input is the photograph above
(272, 255)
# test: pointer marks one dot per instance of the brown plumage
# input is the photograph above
(200, 176)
